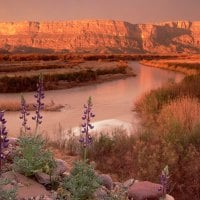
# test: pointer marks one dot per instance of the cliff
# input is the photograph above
(100, 36)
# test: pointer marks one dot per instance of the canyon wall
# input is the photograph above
(100, 36)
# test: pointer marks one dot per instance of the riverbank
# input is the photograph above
(189, 65)
(15, 106)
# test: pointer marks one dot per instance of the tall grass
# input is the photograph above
(152, 102)
(183, 113)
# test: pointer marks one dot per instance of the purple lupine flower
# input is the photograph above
(24, 114)
(3, 138)
(164, 181)
(39, 106)
(86, 138)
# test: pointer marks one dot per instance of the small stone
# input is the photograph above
(169, 197)
(13, 182)
(20, 185)
(13, 141)
(93, 164)
(100, 194)
(66, 174)
(106, 181)
(61, 167)
(128, 183)
(117, 185)
(43, 178)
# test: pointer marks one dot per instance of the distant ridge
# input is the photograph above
(100, 36)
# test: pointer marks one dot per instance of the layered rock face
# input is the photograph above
(100, 36)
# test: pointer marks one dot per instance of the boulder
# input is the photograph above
(26, 187)
(106, 181)
(43, 178)
(61, 167)
(145, 190)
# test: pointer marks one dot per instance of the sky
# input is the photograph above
(133, 11)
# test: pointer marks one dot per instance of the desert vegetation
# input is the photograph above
(168, 139)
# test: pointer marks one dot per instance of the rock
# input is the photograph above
(43, 178)
(66, 174)
(100, 194)
(145, 190)
(128, 183)
(169, 197)
(28, 187)
(61, 167)
(106, 181)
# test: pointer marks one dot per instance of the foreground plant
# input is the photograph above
(39, 106)
(32, 156)
(3, 139)
(86, 138)
(24, 115)
(81, 184)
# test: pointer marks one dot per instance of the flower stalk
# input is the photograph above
(86, 138)
(39, 105)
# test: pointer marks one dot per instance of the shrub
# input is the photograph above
(112, 152)
(32, 156)
(81, 183)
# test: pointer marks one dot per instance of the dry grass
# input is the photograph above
(16, 106)
(184, 112)
(188, 65)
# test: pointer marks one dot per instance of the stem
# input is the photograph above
(85, 154)
(36, 128)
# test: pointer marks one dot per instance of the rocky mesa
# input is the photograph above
(100, 36)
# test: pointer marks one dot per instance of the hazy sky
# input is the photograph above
(135, 11)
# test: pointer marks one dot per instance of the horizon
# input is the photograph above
(68, 20)
(131, 11)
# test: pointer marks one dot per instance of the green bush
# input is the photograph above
(32, 156)
(81, 184)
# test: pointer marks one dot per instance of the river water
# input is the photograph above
(112, 100)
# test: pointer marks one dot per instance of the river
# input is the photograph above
(112, 100)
